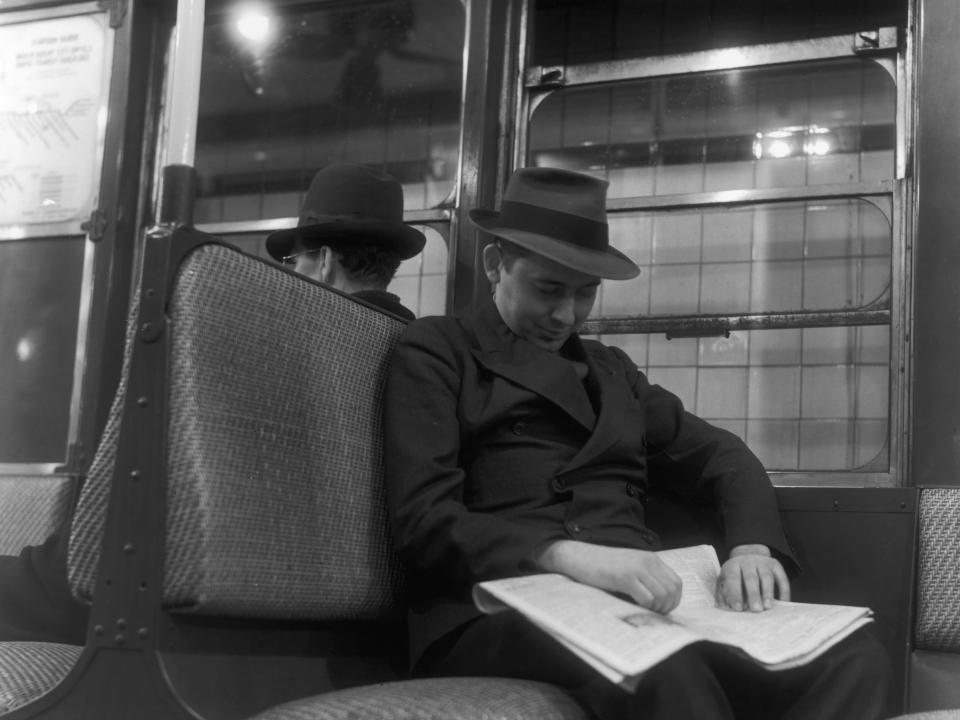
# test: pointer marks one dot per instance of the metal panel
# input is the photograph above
(856, 546)
(884, 39)
(935, 455)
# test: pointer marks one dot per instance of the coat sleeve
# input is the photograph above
(433, 530)
(708, 464)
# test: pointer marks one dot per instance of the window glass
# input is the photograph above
(802, 399)
(777, 257)
(421, 281)
(784, 126)
(284, 94)
(40, 293)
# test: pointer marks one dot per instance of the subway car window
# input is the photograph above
(752, 161)
(55, 81)
(40, 293)
(289, 91)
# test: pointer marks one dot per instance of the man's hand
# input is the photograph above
(751, 578)
(640, 574)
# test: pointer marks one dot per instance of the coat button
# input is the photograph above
(519, 427)
(572, 527)
(631, 490)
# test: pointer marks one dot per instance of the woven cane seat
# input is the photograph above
(31, 669)
(32, 508)
(446, 698)
(938, 609)
(275, 494)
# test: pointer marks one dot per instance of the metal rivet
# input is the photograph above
(134, 474)
(121, 623)
(98, 629)
(142, 401)
(119, 638)
(128, 548)
(142, 633)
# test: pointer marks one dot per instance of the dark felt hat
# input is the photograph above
(350, 203)
(561, 215)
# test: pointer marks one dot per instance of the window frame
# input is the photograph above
(891, 48)
(88, 229)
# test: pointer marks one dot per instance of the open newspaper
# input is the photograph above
(621, 640)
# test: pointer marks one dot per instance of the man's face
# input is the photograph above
(308, 263)
(539, 300)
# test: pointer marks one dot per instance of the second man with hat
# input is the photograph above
(350, 234)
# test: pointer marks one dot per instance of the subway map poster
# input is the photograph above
(54, 77)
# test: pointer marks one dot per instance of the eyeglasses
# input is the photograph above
(291, 260)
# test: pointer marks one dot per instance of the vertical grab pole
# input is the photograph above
(178, 146)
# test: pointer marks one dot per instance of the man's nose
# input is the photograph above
(563, 312)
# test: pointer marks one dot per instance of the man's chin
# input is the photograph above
(553, 344)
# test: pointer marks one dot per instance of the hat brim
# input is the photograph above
(610, 264)
(401, 238)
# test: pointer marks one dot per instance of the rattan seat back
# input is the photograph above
(275, 502)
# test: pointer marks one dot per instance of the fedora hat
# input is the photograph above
(350, 203)
(561, 215)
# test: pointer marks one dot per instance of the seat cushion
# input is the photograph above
(430, 699)
(29, 670)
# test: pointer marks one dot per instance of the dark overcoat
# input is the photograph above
(494, 447)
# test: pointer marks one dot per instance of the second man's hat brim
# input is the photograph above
(402, 239)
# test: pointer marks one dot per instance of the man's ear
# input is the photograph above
(492, 262)
(325, 265)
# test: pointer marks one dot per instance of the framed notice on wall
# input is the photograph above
(54, 84)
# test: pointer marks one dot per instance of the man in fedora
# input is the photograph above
(514, 446)
(351, 235)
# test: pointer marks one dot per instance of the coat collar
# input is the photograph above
(553, 377)
(545, 373)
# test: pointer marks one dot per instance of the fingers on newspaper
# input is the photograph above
(621, 640)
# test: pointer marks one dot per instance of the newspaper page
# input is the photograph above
(622, 640)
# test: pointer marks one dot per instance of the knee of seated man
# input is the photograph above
(862, 655)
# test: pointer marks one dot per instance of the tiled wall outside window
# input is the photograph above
(804, 398)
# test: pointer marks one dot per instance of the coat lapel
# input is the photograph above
(614, 397)
(545, 373)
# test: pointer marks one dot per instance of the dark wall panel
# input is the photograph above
(856, 546)
(936, 335)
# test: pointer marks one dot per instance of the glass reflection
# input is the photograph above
(40, 296)
(301, 86)
(820, 123)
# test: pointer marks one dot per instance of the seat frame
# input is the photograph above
(121, 660)
(132, 642)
